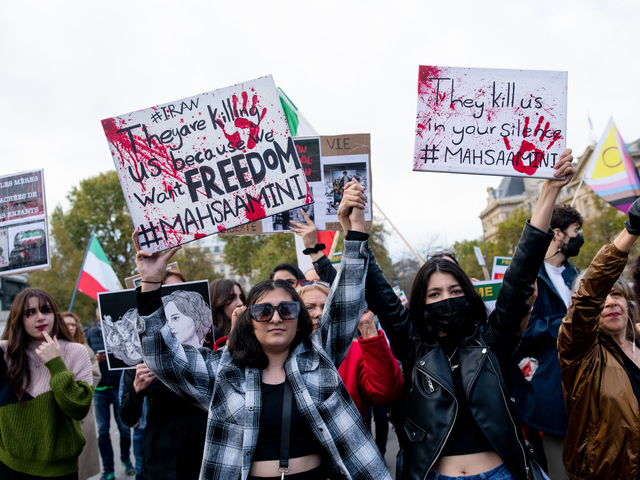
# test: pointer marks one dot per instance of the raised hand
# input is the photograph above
(151, 266)
(367, 326)
(48, 349)
(564, 168)
(236, 313)
(143, 379)
(351, 209)
(308, 232)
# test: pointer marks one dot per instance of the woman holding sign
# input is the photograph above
(459, 420)
(276, 403)
(46, 389)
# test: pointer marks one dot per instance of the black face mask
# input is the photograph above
(448, 315)
(572, 247)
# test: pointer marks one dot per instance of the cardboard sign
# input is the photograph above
(500, 265)
(488, 290)
(24, 232)
(490, 122)
(329, 163)
(201, 165)
(187, 308)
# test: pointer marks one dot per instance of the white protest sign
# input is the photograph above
(500, 265)
(201, 165)
(479, 256)
(24, 233)
(490, 121)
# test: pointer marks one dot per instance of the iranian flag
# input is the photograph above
(298, 125)
(97, 275)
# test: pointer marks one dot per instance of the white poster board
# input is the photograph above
(490, 121)
(24, 233)
(206, 163)
(500, 265)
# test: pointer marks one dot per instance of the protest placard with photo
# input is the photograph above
(207, 163)
(329, 163)
(187, 309)
(490, 121)
(24, 238)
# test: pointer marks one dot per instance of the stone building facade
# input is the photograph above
(514, 192)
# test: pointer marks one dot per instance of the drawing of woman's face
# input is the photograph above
(182, 327)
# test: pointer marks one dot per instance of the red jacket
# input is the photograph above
(371, 373)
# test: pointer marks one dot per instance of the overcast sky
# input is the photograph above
(351, 67)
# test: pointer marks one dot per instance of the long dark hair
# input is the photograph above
(18, 373)
(221, 294)
(245, 348)
(425, 331)
(79, 336)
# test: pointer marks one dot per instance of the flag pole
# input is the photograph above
(420, 260)
(75, 290)
(577, 191)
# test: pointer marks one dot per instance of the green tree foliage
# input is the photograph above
(261, 253)
(510, 231)
(97, 201)
(467, 259)
(602, 227)
(196, 263)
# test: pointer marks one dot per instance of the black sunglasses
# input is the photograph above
(442, 253)
(263, 312)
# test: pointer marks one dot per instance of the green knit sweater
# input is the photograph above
(43, 436)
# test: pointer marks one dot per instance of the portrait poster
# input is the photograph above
(204, 164)
(24, 233)
(329, 163)
(188, 314)
(486, 121)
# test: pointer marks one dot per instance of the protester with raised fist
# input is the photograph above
(45, 391)
(273, 374)
(459, 419)
(599, 361)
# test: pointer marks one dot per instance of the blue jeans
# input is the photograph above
(498, 473)
(102, 399)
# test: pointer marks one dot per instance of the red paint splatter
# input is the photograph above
(506, 142)
(517, 161)
(198, 236)
(427, 72)
(257, 214)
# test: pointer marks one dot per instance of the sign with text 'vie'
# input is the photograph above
(201, 165)
(490, 121)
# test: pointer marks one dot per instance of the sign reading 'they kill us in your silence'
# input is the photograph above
(204, 164)
(489, 121)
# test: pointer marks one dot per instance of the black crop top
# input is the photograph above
(302, 440)
(466, 436)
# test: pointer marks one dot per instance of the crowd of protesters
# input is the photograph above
(548, 383)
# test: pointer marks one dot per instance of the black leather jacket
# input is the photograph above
(431, 404)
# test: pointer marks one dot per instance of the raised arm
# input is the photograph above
(517, 287)
(346, 301)
(309, 234)
(580, 327)
(186, 370)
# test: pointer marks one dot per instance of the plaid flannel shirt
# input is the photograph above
(233, 396)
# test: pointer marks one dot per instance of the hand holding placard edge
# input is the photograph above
(151, 266)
